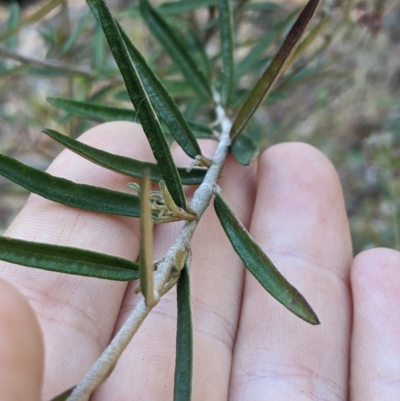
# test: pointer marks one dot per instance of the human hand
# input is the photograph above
(246, 345)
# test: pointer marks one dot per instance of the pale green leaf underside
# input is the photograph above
(65, 259)
(245, 150)
(260, 266)
(120, 164)
(184, 340)
(63, 191)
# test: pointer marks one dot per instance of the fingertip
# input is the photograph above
(375, 278)
(303, 163)
(301, 189)
(375, 355)
(21, 347)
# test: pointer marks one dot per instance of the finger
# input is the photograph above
(146, 368)
(375, 344)
(299, 220)
(78, 314)
(21, 348)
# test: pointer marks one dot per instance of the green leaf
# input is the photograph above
(275, 69)
(121, 164)
(226, 34)
(163, 103)
(76, 33)
(64, 259)
(99, 112)
(173, 46)
(141, 102)
(146, 243)
(264, 6)
(198, 51)
(63, 396)
(245, 150)
(201, 130)
(12, 22)
(31, 19)
(260, 266)
(99, 48)
(184, 340)
(181, 7)
(311, 37)
(63, 191)
(93, 111)
(253, 57)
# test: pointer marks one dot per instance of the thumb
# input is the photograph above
(21, 347)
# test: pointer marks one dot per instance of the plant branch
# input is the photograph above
(201, 199)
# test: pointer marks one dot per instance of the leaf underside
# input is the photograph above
(244, 149)
(260, 266)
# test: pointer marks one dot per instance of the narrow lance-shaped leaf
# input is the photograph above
(140, 100)
(146, 243)
(121, 164)
(31, 19)
(310, 38)
(93, 111)
(99, 45)
(76, 33)
(64, 259)
(163, 103)
(253, 57)
(275, 69)
(63, 396)
(12, 22)
(260, 266)
(245, 150)
(181, 7)
(184, 340)
(226, 35)
(63, 191)
(173, 46)
(98, 112)
(198, 51)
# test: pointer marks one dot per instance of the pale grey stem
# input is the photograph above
(201, 199)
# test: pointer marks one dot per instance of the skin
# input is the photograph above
(246, 345)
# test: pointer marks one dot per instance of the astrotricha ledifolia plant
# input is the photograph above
(161, 120)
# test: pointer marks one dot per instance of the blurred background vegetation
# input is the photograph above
(342, 93)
